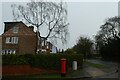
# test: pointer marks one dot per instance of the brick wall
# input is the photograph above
(27, 44)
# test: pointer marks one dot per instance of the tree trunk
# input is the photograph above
(38, 41)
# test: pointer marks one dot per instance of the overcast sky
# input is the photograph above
(85, 18)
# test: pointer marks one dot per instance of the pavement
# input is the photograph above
(110, 70)
(95, 72)
(80, 73)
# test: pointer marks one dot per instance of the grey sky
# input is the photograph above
(85, 18)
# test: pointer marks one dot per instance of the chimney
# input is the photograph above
(31, 27)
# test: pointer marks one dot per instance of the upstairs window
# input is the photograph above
(15, 29)
(8, 40)
(14, 40)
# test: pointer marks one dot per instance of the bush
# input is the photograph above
(46, 61)
(13, 59)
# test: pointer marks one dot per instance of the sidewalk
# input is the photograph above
(95, 72)
(108, 71)
(80, 73)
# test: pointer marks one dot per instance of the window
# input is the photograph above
(42, 43)
(47, 46)
(45, 42)
(14, 51)
(14, 40)
(9, 51)
(15, 29)
(7, 39)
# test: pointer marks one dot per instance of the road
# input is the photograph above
(109, 71)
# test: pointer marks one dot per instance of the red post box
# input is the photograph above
(63, 67)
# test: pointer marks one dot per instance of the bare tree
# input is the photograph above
(51, 15)
(108, 38)
(56, 21)
(110, 30)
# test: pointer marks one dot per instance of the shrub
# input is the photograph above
(46, 61)
(13, 59)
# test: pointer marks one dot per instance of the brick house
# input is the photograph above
(43, 43)
(49, 47)
(46, 46)
(18, 38)
(21, 39)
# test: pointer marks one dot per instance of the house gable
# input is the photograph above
(18, 38)
(22, 29)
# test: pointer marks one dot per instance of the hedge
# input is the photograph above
(46, 61)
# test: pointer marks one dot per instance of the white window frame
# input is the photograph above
(14, 51)
(8, 51)
(14, 40)
(42, 43)
(7, 40)
(47, 47)
(45, 42)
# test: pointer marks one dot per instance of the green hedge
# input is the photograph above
(46, 61)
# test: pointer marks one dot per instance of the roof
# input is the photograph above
(10, 25)
(13, 22)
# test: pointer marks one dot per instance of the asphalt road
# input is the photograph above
(109, 71)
